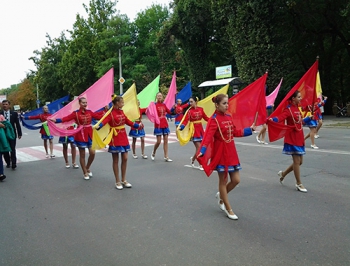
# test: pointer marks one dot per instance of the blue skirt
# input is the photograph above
(137, 133)
(196, 139)
(161, 131)
(66, 140)
(231, 168)
(84, 144)
(312, 123)
(46, 136)
(118, 149)
(292, 149)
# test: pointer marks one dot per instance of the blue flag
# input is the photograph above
(185, 93)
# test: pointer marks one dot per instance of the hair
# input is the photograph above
(81, 98)
(159, 93)
(218, 98)
(295, 94)
(195, 98)
(6, 101)
(116, 98)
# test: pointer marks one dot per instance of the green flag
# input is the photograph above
(149, 93)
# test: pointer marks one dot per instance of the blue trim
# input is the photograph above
(58, 120)
(274, 119)
(247, 131)
(203, 150)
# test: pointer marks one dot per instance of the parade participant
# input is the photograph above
(6, 134)
(260, 138)
(195, 115)
(294, 143)
(12, 117)
(178, 109)
(83, 139)
(313, 123)
(138, 133)
(223, 155)
(161, 129)
(119, 140)
(65, 141)
(43, 118)
(319, 116)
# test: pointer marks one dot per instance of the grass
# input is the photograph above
(344, 124)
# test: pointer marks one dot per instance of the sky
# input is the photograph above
(25, 23)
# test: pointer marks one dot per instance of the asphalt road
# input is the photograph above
(52, 216)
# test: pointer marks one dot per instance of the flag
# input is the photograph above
(97, 96)
(152, 113)
(270, 99)
(131, 108)
(318, 86)
(207, 103)
(249, 105)
(170, 98)
(149, 93)
(307, 87)
(185, 93)
(53, 108)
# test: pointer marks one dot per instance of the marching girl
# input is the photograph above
(219, 135)
(319, 116)
(43, 118)
(294, 143)
(65, 141)
(195, 115)
(83, 139)
(178, 109)
(119, 142)
(161, 129)
(138, 133)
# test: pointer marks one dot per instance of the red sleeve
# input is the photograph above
(33, 117)
(187, 118)
(167, 110)
(204, 115)
(210, 130)
(185, 105)
(70, 117)
(286, 113)
(128, 121)
(98, 115)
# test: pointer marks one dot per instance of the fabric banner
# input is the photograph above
(169, 100)
(318, 86)
(207, 103)
(149, 93)
(185, 135)
(249, 104)
(131, 108)
(152, 113)
(53, 108)
(307, 87)
(270, 99)
(185, 93)
(97, 96)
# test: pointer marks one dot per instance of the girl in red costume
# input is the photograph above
(83, 139)
(178, 109)
(43, 118)
(218, 142)
(195, 115)
(119, 142)
(161, 129)
(294, 143)
(138, 133)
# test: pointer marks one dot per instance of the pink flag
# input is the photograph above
(152, 113)
(170, 98)
(97, 96)
(270, 99)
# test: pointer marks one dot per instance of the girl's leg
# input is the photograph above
(319, 125)
(262, 133)
(143, 145)
(73, 152)
(65, 152)
(197, 144)
(45, 146)
(165, 145)
(235, 179)
(156, 145)
(82, 161)
(297, 161)
(115, 159)
(90, 159)
(51, 146)
(124, 164)
(133, 146)
(312, 135)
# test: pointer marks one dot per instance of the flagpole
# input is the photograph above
(314, 94)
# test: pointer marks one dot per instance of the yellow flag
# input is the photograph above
(207, 104)
(186, 134)
(131, 107)
(318, 86)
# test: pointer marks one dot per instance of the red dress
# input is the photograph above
(117, 120)
(138, 121)
(195, 115)
(179, 112)
(218, 146)
(162, 110)
(83, 118)
(43, 118)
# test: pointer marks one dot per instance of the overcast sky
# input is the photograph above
(24, 24)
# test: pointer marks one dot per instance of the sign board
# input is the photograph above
(2, 97)
(223, 72)
(16, 107)
(121, 80)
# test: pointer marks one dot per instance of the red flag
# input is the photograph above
(249, 104)
(307, 87)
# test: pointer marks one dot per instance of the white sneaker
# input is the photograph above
(118, 186)
(280, 174)
(300, 188)
(90, 174)
(317, 136)
(201, 168)
(52, 156)
(47, 156)
(75, 166)
(263, 142)
(144, 156)
(67, 166)
(134, 156)
(168, 159)
(221, 205)
(257, 139)
(231, 216)
(153, 156)
(314, 147)
(86, 177)
(126, 184)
